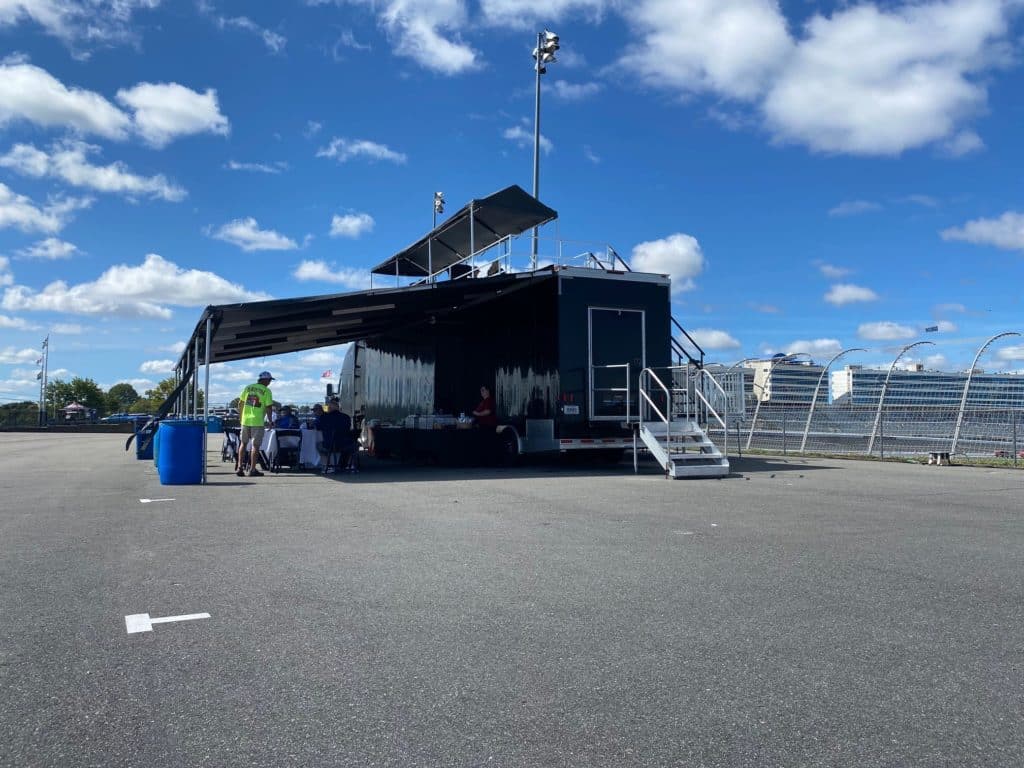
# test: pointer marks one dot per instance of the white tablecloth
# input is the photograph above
(308, 455)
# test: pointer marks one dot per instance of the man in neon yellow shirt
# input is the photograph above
(254, 406)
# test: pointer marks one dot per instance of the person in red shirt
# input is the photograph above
(486, 413)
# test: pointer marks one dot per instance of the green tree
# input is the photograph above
(121, 397)
(23, 414)
(57, 394)
(156, 396)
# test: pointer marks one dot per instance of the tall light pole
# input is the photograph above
(543, 54)
(438, 208)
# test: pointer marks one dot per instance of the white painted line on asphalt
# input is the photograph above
(141, 622)
(150, 501)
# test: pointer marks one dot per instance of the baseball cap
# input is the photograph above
(266, 375)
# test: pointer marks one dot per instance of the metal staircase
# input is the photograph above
(670, 419)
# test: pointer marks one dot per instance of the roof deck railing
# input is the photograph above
(512, 254)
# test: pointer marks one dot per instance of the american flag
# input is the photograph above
(327, 375)
(932, 329)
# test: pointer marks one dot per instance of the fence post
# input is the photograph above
(784, 446)
(881, 432)
(1015, 438)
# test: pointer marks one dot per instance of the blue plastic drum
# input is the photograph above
(214, 425)
(181, 457)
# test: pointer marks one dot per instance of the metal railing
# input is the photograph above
(614, 391)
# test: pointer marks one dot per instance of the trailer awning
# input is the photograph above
(264, 328)
(478, 225)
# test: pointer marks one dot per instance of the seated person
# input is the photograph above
(286, 419)
(336, 428)
(486, 414)
(318, 411)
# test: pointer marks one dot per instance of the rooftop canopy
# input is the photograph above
(478, 225)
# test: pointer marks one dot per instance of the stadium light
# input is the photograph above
(543, 54)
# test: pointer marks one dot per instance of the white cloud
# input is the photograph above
(274, 41)
(523, 14)
(352, 279)
(927, 201)
(34, 95)
(77, 21)
(176, 348)
(68, 329)
(854, 207)
(165, 111)
(247, 235)
(963, 143)
(13, 356)
(574, 91)
(936, 362)
(589, 154)
(679, 256)
(523, 137)
(832, 271)
(710, 338)
(874, 81)
(818, 348)
(846, 293)
(1006, 232)
(16, 323)
(6, 278)
(1011, 353)
(312, 128)
(275, 167)
(18, 211)
(50, 249)
(351, 224)
(146, 290)
(729, 47)
(952, 307)
(344, 150)
(426, 31)
(159, 367)
(67, 162)
(945, 326)
(885, 331)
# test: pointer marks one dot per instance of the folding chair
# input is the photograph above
(338, 447)
(288, 449)
(229, 448)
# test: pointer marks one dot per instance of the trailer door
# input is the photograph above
(617, 356)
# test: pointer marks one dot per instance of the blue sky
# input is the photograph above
(815, 176)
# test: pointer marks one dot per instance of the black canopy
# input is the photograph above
(264, 328)
(508, 212)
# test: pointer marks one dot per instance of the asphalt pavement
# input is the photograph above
(798, 613)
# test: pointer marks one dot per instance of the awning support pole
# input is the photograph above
(195, 380)
(206, 390)
(472, 238)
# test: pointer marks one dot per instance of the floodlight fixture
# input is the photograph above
(439, 202)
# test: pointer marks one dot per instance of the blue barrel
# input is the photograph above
(181, 452)
(144, 437)
(214, 424)
(156, 448)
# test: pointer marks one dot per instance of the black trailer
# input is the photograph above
(560, 348)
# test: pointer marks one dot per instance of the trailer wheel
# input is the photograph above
(508, 448)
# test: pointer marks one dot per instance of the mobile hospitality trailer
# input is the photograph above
(577, 352)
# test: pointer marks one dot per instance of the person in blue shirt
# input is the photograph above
(336, 428)
(286, 419)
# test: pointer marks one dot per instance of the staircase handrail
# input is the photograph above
(643, 393)
(724, 421)
(678, 347)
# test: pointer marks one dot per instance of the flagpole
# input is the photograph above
(46, 373)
